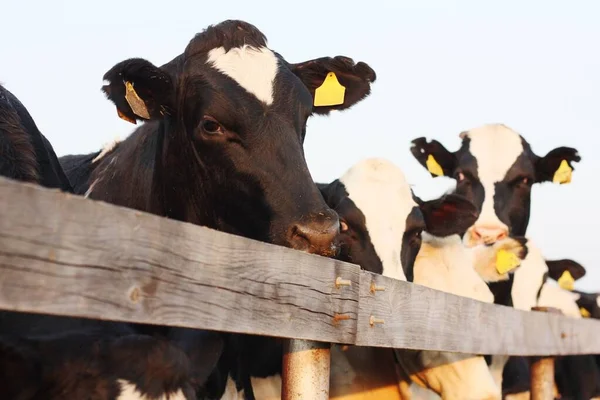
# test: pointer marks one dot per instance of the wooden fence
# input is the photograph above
(65, 255)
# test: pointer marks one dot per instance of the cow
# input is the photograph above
(575, 376)
(93, 365)
(25, 153)
(221, 146)
(388, 230)
(495, 168)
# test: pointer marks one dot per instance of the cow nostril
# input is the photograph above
(488, 234)
(316, 235)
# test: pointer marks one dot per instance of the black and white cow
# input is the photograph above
(495, 168)
(387, 230)
(93, 365)
(25, 153)
(221, 146)
(575, 376)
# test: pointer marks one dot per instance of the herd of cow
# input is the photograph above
(222, 146)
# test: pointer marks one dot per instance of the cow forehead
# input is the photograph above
(379, 188)
(253, 68)
(496, 148)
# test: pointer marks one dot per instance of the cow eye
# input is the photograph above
(211, 126)
(522, 181)
(343, 226)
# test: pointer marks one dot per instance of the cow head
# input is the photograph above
(381, 221)
(232, 115)
(495, 168)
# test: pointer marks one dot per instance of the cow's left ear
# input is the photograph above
(140, 90)
(556, 166)
(335, 83)
(556, 269)
(449, 215)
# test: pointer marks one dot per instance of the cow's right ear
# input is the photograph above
(434, 157)
(556, 269)
(140, 90)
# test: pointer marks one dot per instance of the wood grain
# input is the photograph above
(66, 255)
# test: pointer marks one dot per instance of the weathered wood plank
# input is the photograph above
(65, 255)
(417, 317)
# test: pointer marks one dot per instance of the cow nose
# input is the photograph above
(488, 234)
(316, 234)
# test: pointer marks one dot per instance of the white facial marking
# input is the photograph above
(379, 189)
(254, 69)
(496, 148)
(129, 392)
(107, 148)
(598, 301)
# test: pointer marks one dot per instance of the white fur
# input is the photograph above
(129, 392)
(107, 148)
(554, 296)
(380, 190)
(496, 148)
(90, 189)
(446, 265)
(267, 388)
(252, 68)
(231, 392)
(529, 278)
(598, 300)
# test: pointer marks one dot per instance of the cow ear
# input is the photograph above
(333, 193)
(335, 83)
(556, 166)
(449, 215)
(140, 90)
(557, 269)
(434, 157)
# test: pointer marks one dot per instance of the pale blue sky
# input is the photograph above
(442, 66)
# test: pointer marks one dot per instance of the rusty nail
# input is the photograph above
(373, 321)
(375, 288)
(339, 317)
(342, 282)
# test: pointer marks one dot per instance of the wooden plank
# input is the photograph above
(65, 255)
(417, 317)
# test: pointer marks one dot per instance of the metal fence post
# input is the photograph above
(306, 367)
(542, 369)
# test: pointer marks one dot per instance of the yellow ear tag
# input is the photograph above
(566, 281)
(563, 173)
(506, 261)
(584, 313)
(135, 102)
(330, 93)
(433, 166)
